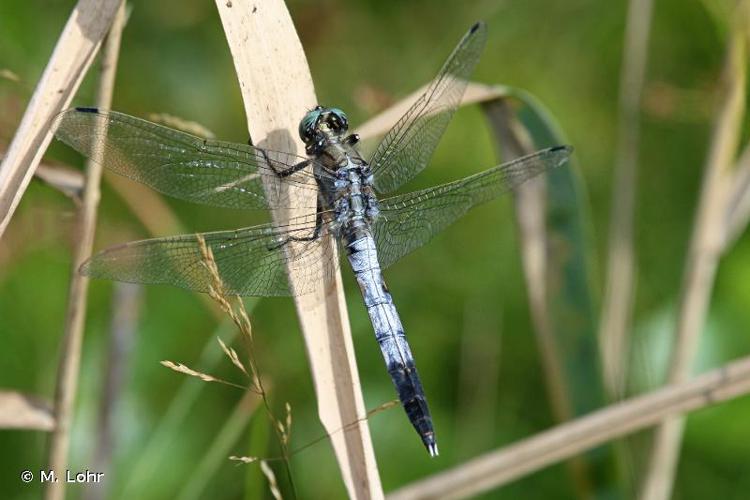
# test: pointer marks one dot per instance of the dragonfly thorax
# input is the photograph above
(354, 202)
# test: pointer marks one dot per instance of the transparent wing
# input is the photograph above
(251, 261)
(178, 164)
(408, 146)
(409, 221)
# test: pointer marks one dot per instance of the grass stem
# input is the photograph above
(706, 248)
(70, 353)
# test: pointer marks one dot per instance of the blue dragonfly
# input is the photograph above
(374, 233)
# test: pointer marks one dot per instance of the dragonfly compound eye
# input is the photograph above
(337, 120)
(309, 124)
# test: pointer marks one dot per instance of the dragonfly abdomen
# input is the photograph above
(391, 337)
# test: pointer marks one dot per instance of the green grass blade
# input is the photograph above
(567, 332)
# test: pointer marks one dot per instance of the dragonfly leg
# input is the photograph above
(352, 139)
(287, 171)
(291, 170)
(314, 236)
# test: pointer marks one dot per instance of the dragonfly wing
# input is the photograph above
(408, 221)
(408, 146)
(251, 261)
(178, 164)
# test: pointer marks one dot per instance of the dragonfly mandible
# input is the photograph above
(373, 232)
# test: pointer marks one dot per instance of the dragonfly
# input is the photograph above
(373, 231)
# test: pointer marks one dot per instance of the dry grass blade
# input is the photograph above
(383, 121)
(546, 448)
(276, 97)
(147, 205)
(73, 54)
(188, 126)
(21, 411)
(68, 181)
(621, 273)
(706, 247)
(70, 355)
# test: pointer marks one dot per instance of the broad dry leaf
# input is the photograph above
(21, 411)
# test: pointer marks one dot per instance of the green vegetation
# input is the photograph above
(472, 321)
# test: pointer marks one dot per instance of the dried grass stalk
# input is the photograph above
(276, 96)
(507, 464)
(621, 269)
(73, 54)
(383, 121)
(706, 247)
(70, 355)
(738, 204)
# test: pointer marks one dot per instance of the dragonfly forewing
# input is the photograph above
(217, 173)
(408, 146)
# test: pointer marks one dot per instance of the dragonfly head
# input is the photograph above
(321, 124)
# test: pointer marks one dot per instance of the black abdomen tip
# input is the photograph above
(87, 110)
(430, 444)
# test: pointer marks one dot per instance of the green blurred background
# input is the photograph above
(470, 322)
